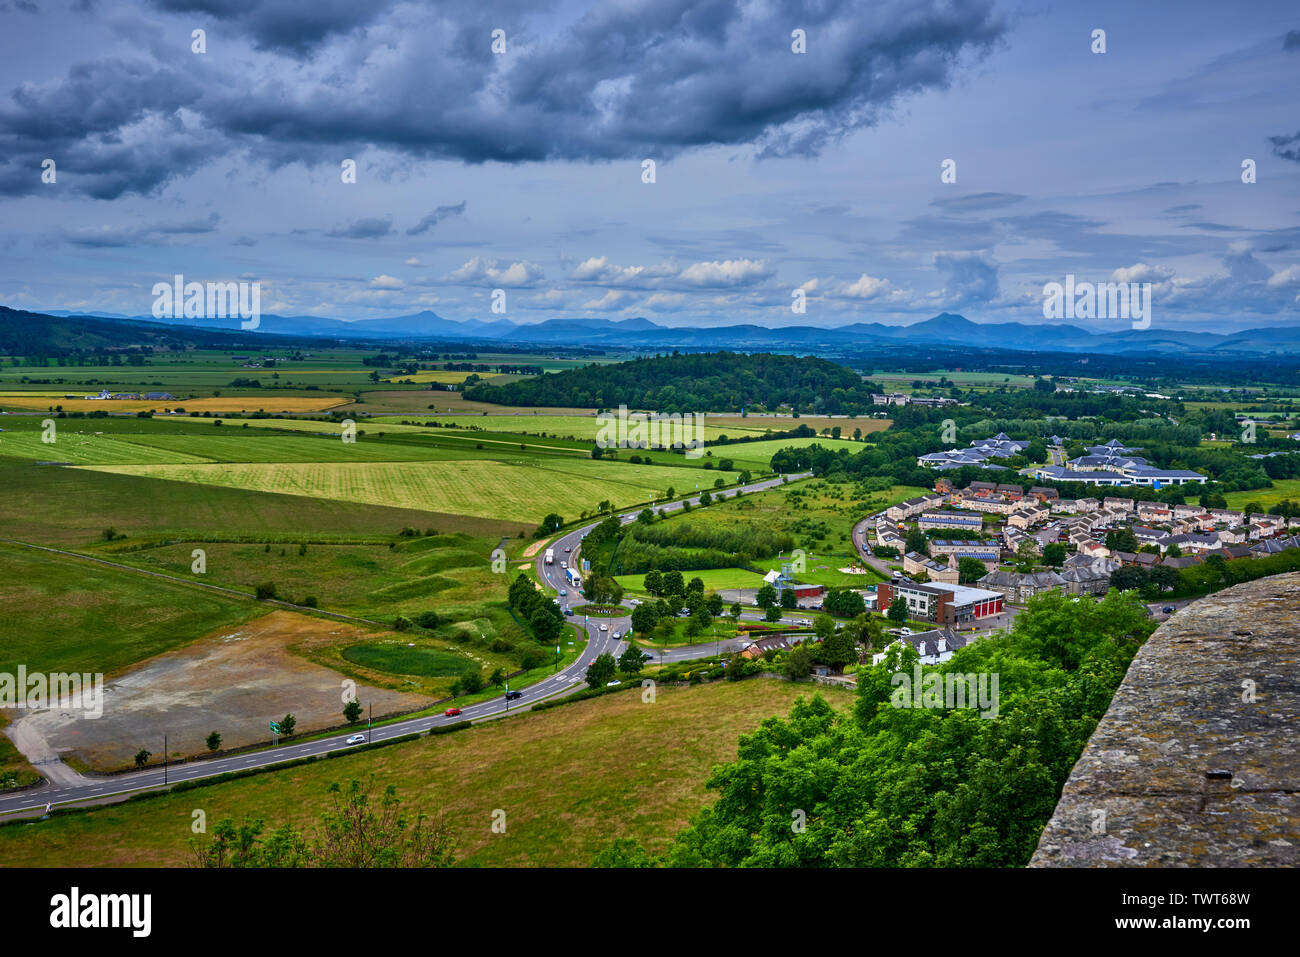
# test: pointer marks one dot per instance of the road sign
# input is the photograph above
(275, 728)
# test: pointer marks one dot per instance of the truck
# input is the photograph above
(550, 556)
(574, 578)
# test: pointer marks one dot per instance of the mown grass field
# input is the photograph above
(510, 491)
(64, 614)
(1267, 497)
(570, 780)
(68, 506)
(236, 403)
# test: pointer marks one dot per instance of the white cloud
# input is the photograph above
(730, 272)
(480, 271)
(387, 282)
(1141, 272)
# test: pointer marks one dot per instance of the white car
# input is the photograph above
(604, 627)
(357, 739)
(610, 684)
(617, 634)
(564, 564)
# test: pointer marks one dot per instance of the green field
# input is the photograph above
(570, 780)
(511, 491)
(68, 506)
(1267, 497)
(715, 579)
(64, 614)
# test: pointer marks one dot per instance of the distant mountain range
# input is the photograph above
(944, 329)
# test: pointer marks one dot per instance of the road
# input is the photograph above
(90, 790)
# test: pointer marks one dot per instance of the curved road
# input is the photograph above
(90, 790)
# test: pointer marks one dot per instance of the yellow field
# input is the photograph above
(437, 375)
(522, 492)
(252, 403)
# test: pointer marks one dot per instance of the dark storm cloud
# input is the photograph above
(1286, 147)
(641, 79)
(968, 278)
(371, 228)
(434, 218)
(111, 127)
(296, 27)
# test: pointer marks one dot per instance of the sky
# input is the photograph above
(780, 178)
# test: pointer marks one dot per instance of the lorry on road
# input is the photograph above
(550, 556)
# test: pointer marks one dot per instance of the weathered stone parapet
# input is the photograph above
(1197, 761)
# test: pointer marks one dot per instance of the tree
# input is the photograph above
(789, 599)
(213, 741)
(824, 626)
(897, 611)
(735, 611)
(352, 711)
(1174, 551)
(654, 582)
(1027, 554)
(1128, 578)
(142, 757)
(1163, 578)
(1121, 540)
(713, 602)
(772, 613)
(706, 498)
(498, 678)
(601, 671)
(631, 660)
(265, 591)
(673, 584)
(472, 680)
(695, 585)
(839, 649)
(798, 662)
(603, 590)
(551, 523)
(287, 724)
(1053, 554)
(970, 570)
(916, 541)
(766, 596)
(644, 617)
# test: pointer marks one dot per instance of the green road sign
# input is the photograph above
(275, 728)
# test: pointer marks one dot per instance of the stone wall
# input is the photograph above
(1197, 761)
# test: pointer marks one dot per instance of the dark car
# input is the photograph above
(1169, 609)
(512, 695)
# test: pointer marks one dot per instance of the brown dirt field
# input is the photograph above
(234, 681)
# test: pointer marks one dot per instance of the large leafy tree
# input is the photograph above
(888, 786)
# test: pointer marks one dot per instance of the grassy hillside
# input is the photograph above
(569, 780)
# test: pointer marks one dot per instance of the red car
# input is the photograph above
(452, 712)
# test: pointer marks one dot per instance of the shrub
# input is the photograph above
(265, 591)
